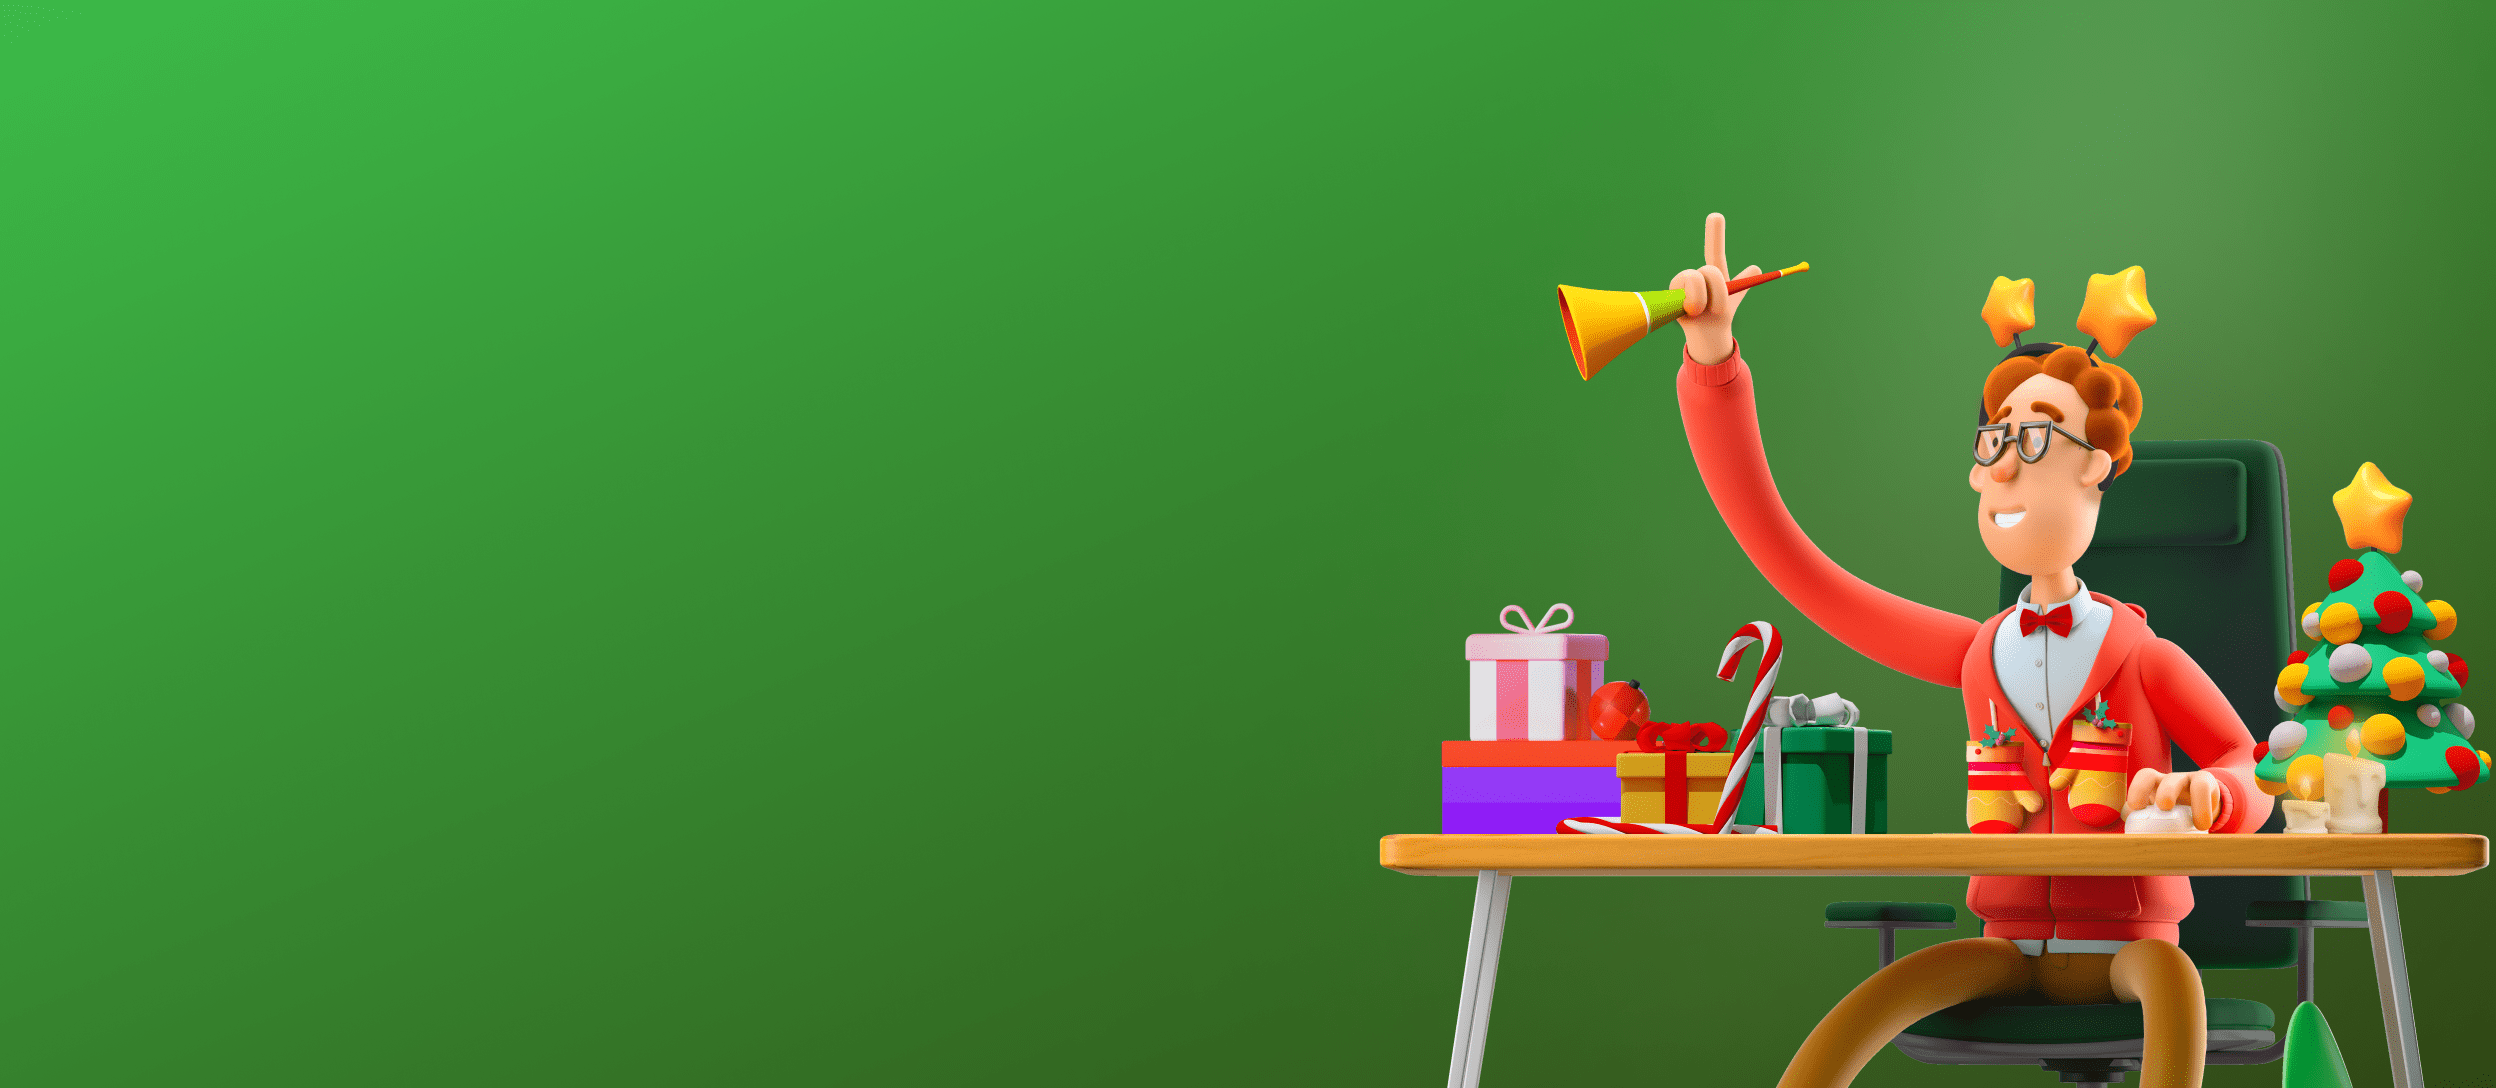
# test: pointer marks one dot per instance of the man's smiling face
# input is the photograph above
(2039, 518)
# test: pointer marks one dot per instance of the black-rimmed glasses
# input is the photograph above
(2034, 439)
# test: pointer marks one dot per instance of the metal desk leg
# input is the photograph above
(1473, 1008)
(2400, 1026)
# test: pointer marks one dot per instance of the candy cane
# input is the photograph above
(1595, 825)
(1754, 713)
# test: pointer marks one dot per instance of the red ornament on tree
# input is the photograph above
(2394, 610)
(2459, 668)
(2340, 717)
(2465, 765)
(2343, 573)
(2296, 657)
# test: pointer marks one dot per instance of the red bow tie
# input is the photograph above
(2057, 621)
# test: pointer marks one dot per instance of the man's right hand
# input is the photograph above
(1707, 310)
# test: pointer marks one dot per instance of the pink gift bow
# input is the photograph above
(1531, 627)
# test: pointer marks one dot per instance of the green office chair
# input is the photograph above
(2196, 533)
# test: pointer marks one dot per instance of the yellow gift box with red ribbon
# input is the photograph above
(1671, 787)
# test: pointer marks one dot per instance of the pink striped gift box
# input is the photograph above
(1532, 683)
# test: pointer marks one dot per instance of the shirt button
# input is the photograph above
(2040, 662)
(2040, 706)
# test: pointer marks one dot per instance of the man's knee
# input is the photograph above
(2146, 967)
(1973, 967)
(2153, 955)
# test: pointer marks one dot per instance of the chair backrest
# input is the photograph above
(2196, 533)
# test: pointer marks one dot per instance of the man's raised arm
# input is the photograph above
(1723, 423)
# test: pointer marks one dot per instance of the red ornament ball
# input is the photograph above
(2459, 668)
(1617, 710)
(2296, 657)
(2261, 749)
(2394, 610)
(2343, 573)
(2465, 765)
(2340, 717)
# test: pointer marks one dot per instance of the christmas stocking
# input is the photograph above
(2093, 771)
(1998, 797)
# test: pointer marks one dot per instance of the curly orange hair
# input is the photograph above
(2114, 399)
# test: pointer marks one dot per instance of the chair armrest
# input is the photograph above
(1892, 916)
(2306, 914)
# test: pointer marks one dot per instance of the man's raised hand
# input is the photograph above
(1707, 322)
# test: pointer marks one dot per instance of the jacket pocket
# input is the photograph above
(2008, 898)
(2106, 898)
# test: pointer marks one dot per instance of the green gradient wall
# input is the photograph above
(647, 544)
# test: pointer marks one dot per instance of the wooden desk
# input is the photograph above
(1494, 859)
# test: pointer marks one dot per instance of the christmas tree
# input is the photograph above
(2373, 690)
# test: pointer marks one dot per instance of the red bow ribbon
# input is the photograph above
(2057, 621)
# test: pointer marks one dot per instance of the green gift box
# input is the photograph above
(1819, 780)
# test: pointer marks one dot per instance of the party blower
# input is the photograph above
(1603, 324)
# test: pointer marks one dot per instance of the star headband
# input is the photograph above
(2115, 310)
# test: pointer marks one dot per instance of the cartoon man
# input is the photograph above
(2054, 431)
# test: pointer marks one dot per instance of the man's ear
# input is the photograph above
(2101, 465)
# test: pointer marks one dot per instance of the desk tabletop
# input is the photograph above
(1933, 855)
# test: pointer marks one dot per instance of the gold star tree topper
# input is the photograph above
(2010, 309)
(2371, 510)
(2117, 309)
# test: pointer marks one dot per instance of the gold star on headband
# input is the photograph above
(2010, 310)
(2117, 309)
(2371, 510)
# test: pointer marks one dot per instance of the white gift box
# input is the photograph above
(1533, 684)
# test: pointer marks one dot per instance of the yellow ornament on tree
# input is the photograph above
(2383, 735)
(2405, 677)
(2340, 623)
(2445, 620)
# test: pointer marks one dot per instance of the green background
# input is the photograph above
(665, 544)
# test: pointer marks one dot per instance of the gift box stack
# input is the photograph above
(1534, 759)
(1530, 762)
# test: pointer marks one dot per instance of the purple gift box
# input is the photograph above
(1526, 787)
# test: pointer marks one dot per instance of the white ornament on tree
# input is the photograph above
(2459, 715)
(2285, 737)
(2428, 715)
(2415, 583)
(2350, 663)
(2314, 624)
(2441, 660)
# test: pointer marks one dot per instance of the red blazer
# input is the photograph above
(2145, 680)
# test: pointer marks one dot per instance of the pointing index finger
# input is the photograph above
(1715, 250)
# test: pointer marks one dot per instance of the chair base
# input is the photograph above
(1937, 1051)
(2091, 1072)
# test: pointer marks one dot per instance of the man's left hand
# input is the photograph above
(2200, 789)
